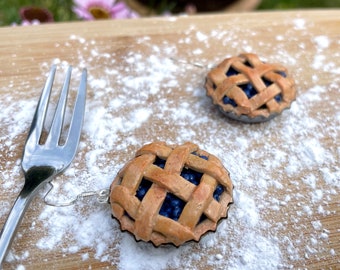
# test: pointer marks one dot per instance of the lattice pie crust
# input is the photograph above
(161, 172)
(249, 90)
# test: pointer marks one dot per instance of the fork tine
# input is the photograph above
(58, 119)
(73, 137)
(40, 112)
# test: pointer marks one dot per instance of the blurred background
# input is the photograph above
(62, 10)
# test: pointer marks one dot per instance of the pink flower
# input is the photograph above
(102, 9)
(32, 15)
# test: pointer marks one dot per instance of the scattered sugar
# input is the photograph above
(299, 23)
(145, 256)
(147, 86)
(322, 42)
(197, 51)
(201, 37)
(85, 256)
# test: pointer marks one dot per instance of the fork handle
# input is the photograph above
(14, 219)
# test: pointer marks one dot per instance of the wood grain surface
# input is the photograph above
(307, 42)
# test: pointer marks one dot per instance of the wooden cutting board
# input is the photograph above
(144, 86)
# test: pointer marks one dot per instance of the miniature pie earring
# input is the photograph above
(170, 194)
(249, 90)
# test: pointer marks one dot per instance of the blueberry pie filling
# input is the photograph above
(172, 206)
(248, 88)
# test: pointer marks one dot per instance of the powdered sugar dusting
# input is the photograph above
(299, 23)
(284, 171)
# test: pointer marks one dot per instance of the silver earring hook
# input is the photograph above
(102, 196)
(195, 64)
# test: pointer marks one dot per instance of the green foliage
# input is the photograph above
(61, 9)
(294, 4)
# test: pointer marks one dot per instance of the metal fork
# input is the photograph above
(43, 161)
